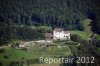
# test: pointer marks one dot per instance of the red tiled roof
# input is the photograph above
(47, 35)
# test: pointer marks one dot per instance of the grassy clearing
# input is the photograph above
(34, 52)
(56, 52)
(98, 37)
(69, 43)
(87, 27)
(41, 27)
(13, 54)
(83, 34)
(86, 24)
(87, 30)
(32, 27)
(45, 27)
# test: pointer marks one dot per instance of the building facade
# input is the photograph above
(60, 34)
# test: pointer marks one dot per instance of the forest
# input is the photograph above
(67, 14)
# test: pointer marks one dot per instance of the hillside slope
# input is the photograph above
(56, 13)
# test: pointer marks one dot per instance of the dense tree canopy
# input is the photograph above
(67, 14)
(56, 13)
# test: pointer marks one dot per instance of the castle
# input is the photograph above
(58, 34)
